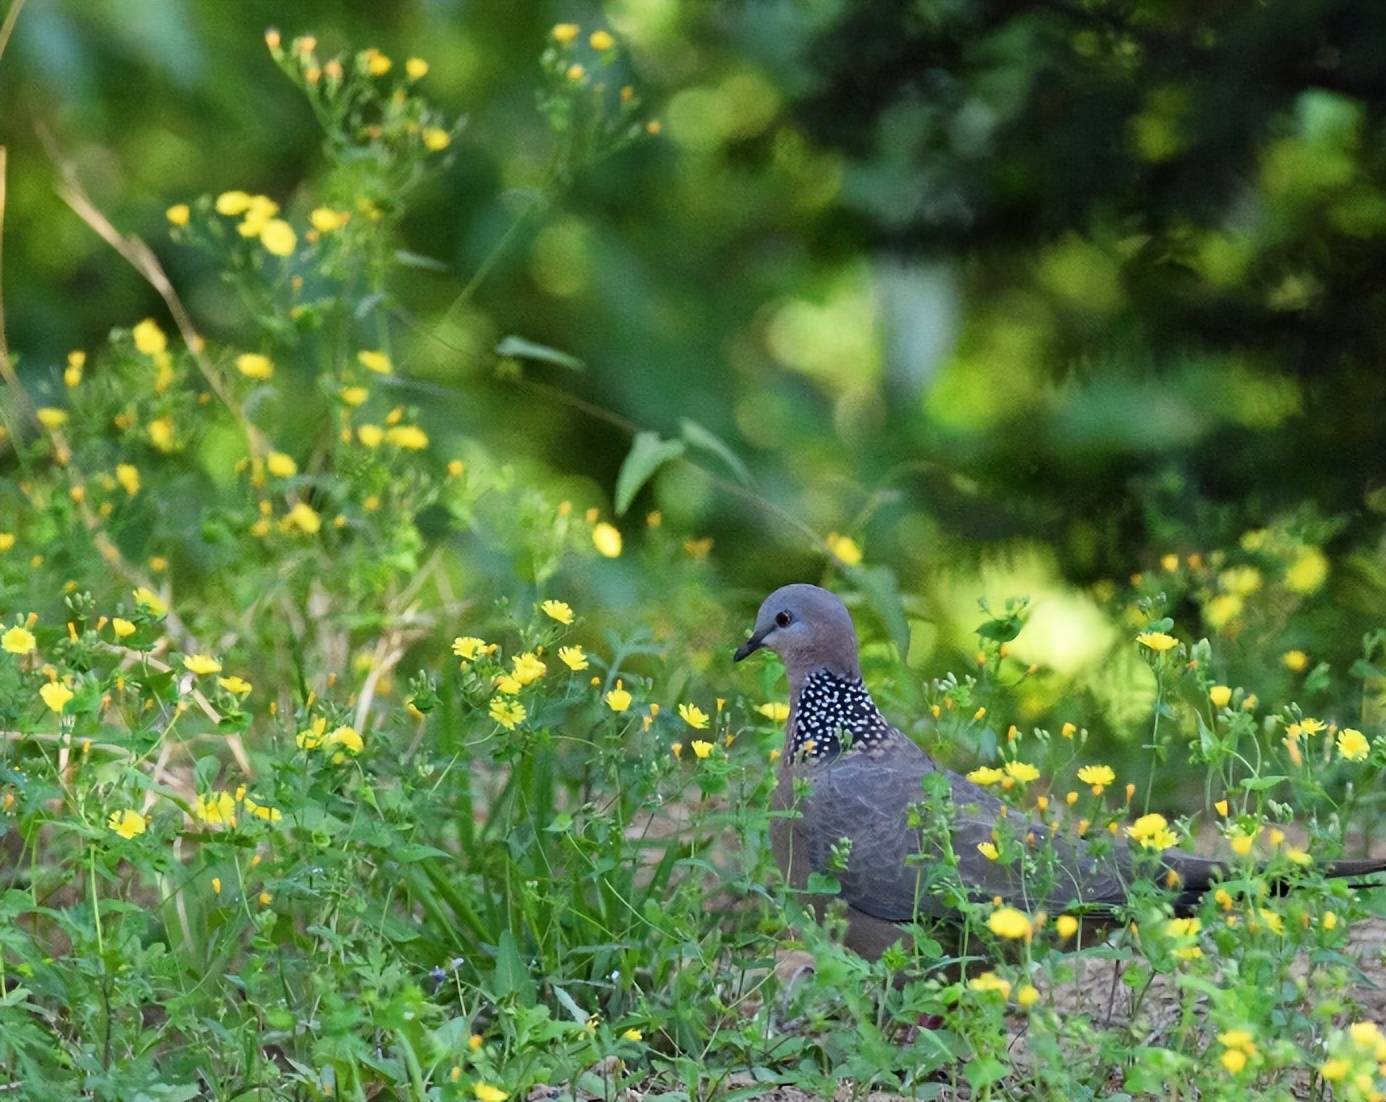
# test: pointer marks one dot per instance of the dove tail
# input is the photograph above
(1200, 876)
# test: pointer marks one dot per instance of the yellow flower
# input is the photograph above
(50, 417)
(508, 713)
(237, 686)
(1335, 1069)
(989, 981)
(1028, 995)
(416, 68)
(278, 237)
(1308, 572)
(311, 738)
(1184, 928)
(988, 850)
(468, 647)
(563, 33)
(1234, 1060)
(607, 540)
(1241, 842)
(370, 435)
(264, 811)
(150, 601)
(1220, 695)
(436, 139)
(574, 658)
(601, 41)
(1352, 744)
(232, 203)
(178, 214)
(254, 366)
(1365, 1035)
(1009, 923)
(216, 809)
(409, 437)
(986, 774)
(327, 220)
(1295, 660)
(56, 695)
(1152, 832)
(18, 640)
(128, 475)
(486, 1093)
(1223, 898)
(775, 712)
(844, 549)
(1157, 641)
(375, 361)
(1311, 726)
(507, 685)
(701, 748)
(632, 1035)
(1221, 807)
(354, 395)
(1099, 776)
(1068, 730)
(1021, 771)
(618, 699)
(127, 822)
(694, 716)
(377, 64)
(149, 338)
(161, 433)
(1067, 926)
(347, 738)
(304, 518)
(7, 541)
(1330, 921)
(558, 610)
(528, 668)
(281, 465)
(200, 664)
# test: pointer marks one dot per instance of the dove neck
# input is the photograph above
(829, 713)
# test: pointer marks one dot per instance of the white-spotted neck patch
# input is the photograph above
(833, 713)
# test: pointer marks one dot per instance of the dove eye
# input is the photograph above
(784, 619)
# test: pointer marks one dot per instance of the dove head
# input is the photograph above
(810, 629)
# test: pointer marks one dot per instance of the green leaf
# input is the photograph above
(698, 437)
(647, 454)
(409, 852)
(520, 349)
(1260, 784)
(820, 883)
(983, 1072)
(512, 978)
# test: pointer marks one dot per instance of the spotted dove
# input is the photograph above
(862, 775)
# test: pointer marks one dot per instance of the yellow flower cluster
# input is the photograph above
(1152, 832)
(257, 214)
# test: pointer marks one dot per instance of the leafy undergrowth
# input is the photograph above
(345, 757)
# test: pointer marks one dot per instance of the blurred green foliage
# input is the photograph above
(1020, 298)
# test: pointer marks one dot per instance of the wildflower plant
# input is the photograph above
(332, 763)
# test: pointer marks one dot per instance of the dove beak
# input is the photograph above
(754, 643)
